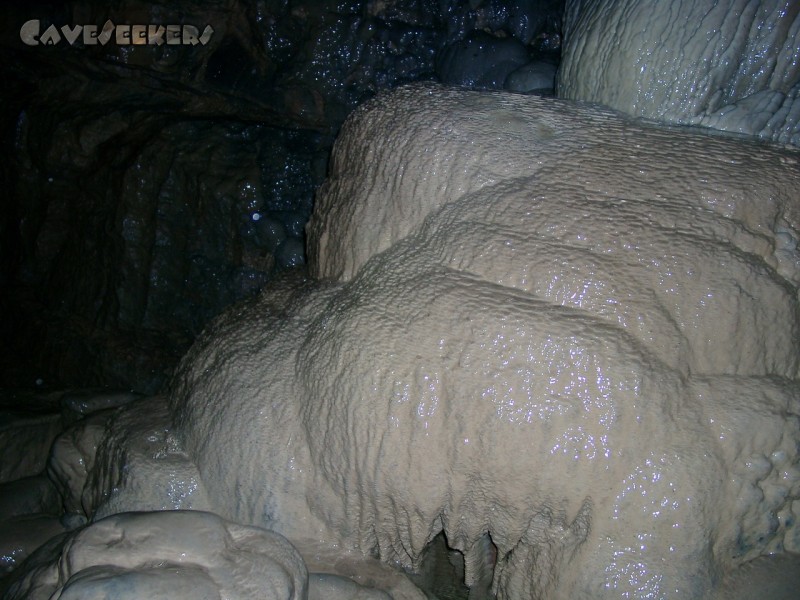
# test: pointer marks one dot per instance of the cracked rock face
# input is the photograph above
(565, 339)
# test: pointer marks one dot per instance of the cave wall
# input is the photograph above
(730, 65)
(146, 187)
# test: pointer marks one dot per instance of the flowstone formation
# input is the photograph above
(730, 65)
(545, 340)
(188, 554)
(563, 338)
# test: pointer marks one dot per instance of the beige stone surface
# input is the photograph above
(538, 320)
(170, 554)
(124, 460)
(730, 64)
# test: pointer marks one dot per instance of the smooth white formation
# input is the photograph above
(730, 64)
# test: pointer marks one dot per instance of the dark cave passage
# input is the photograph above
(147, 187)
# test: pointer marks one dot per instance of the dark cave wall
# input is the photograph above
(145, 188)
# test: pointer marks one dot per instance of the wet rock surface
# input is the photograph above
(731, 65)
(66, 531)
(587, 379)
(36, 473)
(134, 556)
(149, 186)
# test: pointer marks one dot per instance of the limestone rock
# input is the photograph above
(134, 450)
(136, 172)
(564, 338)
(20, 536)
(29, 422)
(29, 495)
(171, 554)
(731, 65)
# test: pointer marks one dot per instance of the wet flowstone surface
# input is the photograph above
(540, 349)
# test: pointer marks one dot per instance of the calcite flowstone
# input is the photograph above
(128, 459)
(730, 64)
(124, 460)
(566, 339)
(170, 554)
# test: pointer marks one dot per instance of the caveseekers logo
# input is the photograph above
(124, 35)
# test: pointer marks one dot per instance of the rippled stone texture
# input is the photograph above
(541, 328)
